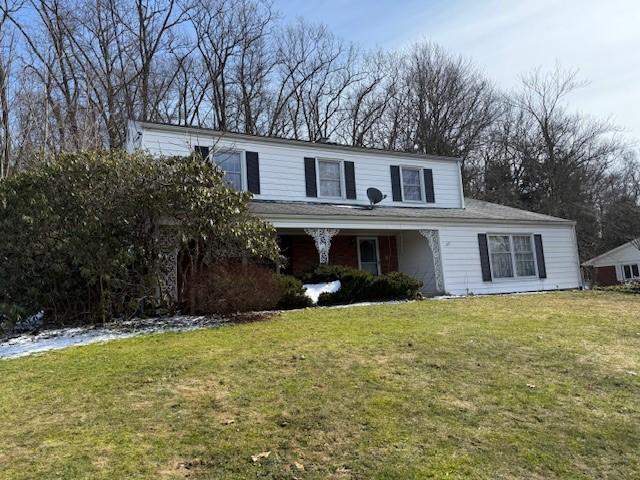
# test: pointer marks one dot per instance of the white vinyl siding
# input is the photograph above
(463, 273)
(282, 166)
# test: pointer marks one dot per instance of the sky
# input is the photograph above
(599, 38)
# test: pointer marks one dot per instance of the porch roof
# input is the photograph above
(475, 210)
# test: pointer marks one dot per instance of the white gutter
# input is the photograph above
(390, 223)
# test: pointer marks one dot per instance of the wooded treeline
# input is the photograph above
(73, 71)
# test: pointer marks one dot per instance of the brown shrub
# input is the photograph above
(232, 288)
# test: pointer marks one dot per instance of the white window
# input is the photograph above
(230, 163)
(411, 184)
(368, 257)
(512, 256)
(525, 261)
(631, 271)
(330, 178)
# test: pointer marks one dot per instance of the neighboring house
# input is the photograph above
(315, 194)
(622, 264)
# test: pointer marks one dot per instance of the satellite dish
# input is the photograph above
(375, 196)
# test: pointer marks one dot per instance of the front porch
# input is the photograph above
(413, 252)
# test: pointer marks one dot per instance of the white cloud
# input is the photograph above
(507, 38)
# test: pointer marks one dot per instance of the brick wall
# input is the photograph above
(388, 254)
(344, 251)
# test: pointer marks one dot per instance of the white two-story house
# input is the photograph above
(315, 194)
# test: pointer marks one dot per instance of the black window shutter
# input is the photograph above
(396, 189)
(202, 151)
(253, 172)
(428, 186)
(484, 257)
(310, 176)
(350, 180)
(542, 269)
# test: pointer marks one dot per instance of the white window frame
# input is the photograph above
(512, 252)
(243, 163)
(343, 193)
(632, 277)
(375, 239)
(421, 179)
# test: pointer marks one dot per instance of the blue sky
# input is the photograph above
(506, 38)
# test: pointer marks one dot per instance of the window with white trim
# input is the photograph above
(411, 178)
(368, 255)
(230, 162)
(512, 256)
(330, 178)
(631, 271)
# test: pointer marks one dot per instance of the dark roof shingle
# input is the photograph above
(474, 210)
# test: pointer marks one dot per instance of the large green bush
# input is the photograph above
(79, 232)
(293, 294)
(361, 286)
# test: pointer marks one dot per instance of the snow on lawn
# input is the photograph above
(67, 337)
(313, 290)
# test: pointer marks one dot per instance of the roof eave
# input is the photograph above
(394, 220)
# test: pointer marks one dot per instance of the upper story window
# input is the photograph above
(330, 178)
(631, 271)
(512, 256)
(411, 184)
(230, 162)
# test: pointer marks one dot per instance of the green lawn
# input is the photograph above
(537, 386)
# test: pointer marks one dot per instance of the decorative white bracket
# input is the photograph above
(168, 264)
(433, 239)
(322, 238)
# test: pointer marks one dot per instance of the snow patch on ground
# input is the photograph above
(313, 290)
(68, 337)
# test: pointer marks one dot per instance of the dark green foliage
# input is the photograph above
(9, 315)
(79, 232)
(293, 294)
(360, 286)
(396, 285)
(325, 273)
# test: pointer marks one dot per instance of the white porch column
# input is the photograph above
(168, 264)
(322, 238)
(433, 239)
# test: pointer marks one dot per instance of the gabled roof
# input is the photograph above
(474, 210)
(611, 253)
(287, 141)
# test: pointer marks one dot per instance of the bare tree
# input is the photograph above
(7, 52)
(454, 103)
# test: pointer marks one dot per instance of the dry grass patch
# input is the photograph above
(495, 387)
